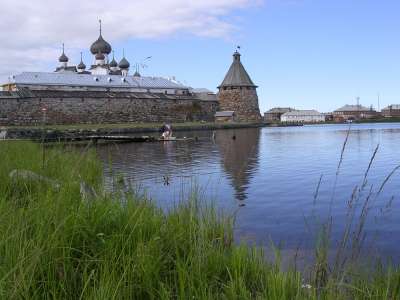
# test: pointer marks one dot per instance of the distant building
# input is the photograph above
(303, 116)
(354, 112)
(238, 93)
(274, 114)
(391, 111)
(225, 116)
(328, 116)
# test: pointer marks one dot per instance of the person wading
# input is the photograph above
(166, 131)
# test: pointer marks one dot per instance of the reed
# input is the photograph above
(57, 244)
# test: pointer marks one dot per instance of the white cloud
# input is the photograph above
(31, 31)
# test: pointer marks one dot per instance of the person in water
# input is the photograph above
(166, 131)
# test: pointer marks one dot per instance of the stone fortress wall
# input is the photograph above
(102, 107)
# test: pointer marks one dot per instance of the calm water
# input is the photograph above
(274, 172)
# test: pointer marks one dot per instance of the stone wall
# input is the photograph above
(103, 107)
(243, 101)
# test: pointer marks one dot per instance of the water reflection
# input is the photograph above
(239, 152)
(274, 171)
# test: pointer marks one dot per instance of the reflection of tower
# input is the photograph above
(239, 151)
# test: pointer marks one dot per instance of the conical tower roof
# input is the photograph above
(237, 75)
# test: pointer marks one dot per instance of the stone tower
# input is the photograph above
(238, 93)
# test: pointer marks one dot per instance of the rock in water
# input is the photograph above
(3, 134)
(27, 175)
(87, 192)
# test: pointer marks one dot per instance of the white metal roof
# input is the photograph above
(348, 107)
(76, 79)
(227, 113)
(302, 113)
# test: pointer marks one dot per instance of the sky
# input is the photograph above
(307, 54)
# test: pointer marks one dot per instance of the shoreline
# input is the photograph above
(82, 130)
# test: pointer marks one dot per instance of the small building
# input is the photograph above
(303, 116)
(274, 114)
(354, 112)
(225, 116)
(391, 111)
(328, 116)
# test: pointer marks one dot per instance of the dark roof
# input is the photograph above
(116, 72)
(124, 63)
(68, 68)
(137, 74)
(237, 75)
(100, 45)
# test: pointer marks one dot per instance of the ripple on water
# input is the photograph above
(275, 172)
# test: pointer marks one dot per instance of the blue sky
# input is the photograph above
(306, 54)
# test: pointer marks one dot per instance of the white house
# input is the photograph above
(303, 116)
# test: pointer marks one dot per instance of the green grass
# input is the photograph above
(54, 245)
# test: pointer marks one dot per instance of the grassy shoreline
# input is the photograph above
(57, 243)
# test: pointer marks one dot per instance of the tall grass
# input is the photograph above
(56, 244)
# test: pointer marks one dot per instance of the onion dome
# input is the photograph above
(124, 63)
(113, 63)
(81, 65)
(63, 58)
(100, 45)
(99, 56)
(137, 74)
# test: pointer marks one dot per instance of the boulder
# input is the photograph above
(26, 175)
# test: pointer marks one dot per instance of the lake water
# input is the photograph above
(269, 178)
